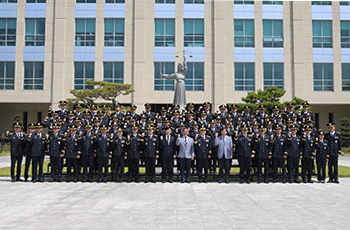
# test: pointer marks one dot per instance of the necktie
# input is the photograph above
(168, 140)
(18, 135)
(223, 138)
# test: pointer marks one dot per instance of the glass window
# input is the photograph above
(273, 75)
(244, 76)
(322, 34)
(164, 32)
(344, 34)
(272, 2)
(194, 79)
(194, 1)
(85, 32)
(344, 3)
(273, 33)
(161, 83)
(115, 1)
(194, 32)
(244, 33)
(244, 2)
(165, 1)
(7, 75)
(86, 1)
(35, 32)
(36, 1)
(114, 32)
(319, 3)
(33, 76)
(345, 76)
(7, 32)
(113, 72)
(8, 1)
(83, 71)
(323, 77)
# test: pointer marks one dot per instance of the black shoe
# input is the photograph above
(100, 180)
(284, 181)
(329, 181)
(105, 180)
(90, 180)
(19, 179)
(290, 181)
(68, 180)
(200, 181)
(26, 180)
(310, 181)
(205, 181)
(304, 181)
(170, 180)
(227, 181)
(147, 180)
(297, 181)
(319, 181)
(59, 180)
(183, 181)
(51, 180)
(241, 182)
(336, 181)
(137, 180)
(266, 181)
(129, 180)
(259, 181)
(13, 180)
(247, 181)
(274, 181)
(75, 180)
(34, 181)
(153, 181)
(188, 181)
(164, 180)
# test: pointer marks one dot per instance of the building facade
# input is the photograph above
(48, 47)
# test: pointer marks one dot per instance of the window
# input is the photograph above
(35, 32)
(33, 76)
(36, 1)
(321, 3)
(164, 32)
(25, 121)
(345, 76)
(115, 1)
(273, 75)
(86, 1)
(330, 117)
(194, 32)
(273, 33)
(161, 83)
(244, 2)
(344, 3)
(322, 34)
(8, 1)
(39, 117)
(323, 77)
(83, 71)
(344, 34)
(194, 1)
(195, 76)
(244, 33)
(7, 75)
(7, 32)
(272, 2)
(317, 120)
(165, 1)
(114, 32)
(244, 76)
(113, 72)
(85, 32)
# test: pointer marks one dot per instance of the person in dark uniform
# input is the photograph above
(148, 113)
(87, 152)
(38, 146)
(243, 146)
(150, 153)
(27, 151)
(72, 153)
(308, 152)
(262, 146)
(16, 139)
(103, 151)
(334, 141)
(202, 147)
(322, 157)
(210, 115)
(134, 142)
(63, 109)
(294, 154)
(168, 154)
(119, 149)
(279, 153)
(56, 143)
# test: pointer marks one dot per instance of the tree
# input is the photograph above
(107, 91)
(345, 130)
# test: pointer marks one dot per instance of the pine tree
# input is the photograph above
(345, 130)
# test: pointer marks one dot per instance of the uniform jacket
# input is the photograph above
(335, 143)
(103, 145)
(119, 147)
(151, 146)
(294, 146)
(135, 146)
(308, 146)
(56, 144)
(322, 149)
(38, 145)
(203, 146)
(87, 146)
(72, 146)
(279, 146)
(262, 146)
(168, 149)
(17, 144)
(244, 146)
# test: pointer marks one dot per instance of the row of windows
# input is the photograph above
(244, 75)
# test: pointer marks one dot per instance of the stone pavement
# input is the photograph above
(174, 206)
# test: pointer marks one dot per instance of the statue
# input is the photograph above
(180, 88)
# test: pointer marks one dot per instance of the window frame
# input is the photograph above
(243, 2)
(323, 80)
(193, 1)
(273, 37)
(164, 1)
(115, 1)
(345, 87)
(345, 44)
(114, 35)
(166, 85)
(197, 39)
(244, 36)
(245, 79)
(9, 1)
(279, 3)
(164, 41)
(273, 77)
(85, 1)
(35, 1)
(33, 85)
(113, 78)
(84, 78)
(85, 41)
(321, 3)
(322, 37)
(6, 77)
(193, 85)
(35, 41)
(6, 36)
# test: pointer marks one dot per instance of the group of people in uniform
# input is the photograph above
(199, 141)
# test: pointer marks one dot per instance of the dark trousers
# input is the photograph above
(224, 164)
(293, 167)
(150, 168)
(279, 162)
(185, 168)
(202, 163)
(244, 167)
(133, 164)
(38, 161)
(333, 168)
(321, 168)
(167, 167)
(56, 169)
(29, 159)
(72, 162)
(16, 160)
(266, 163)
(119, 163)
(103, 163)
(307, 168)
(88, 169)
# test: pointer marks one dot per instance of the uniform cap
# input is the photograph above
(39, 125)
(103, 127)
(190, 105)
(17, 125)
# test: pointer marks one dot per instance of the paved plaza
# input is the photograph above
(174, 206)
